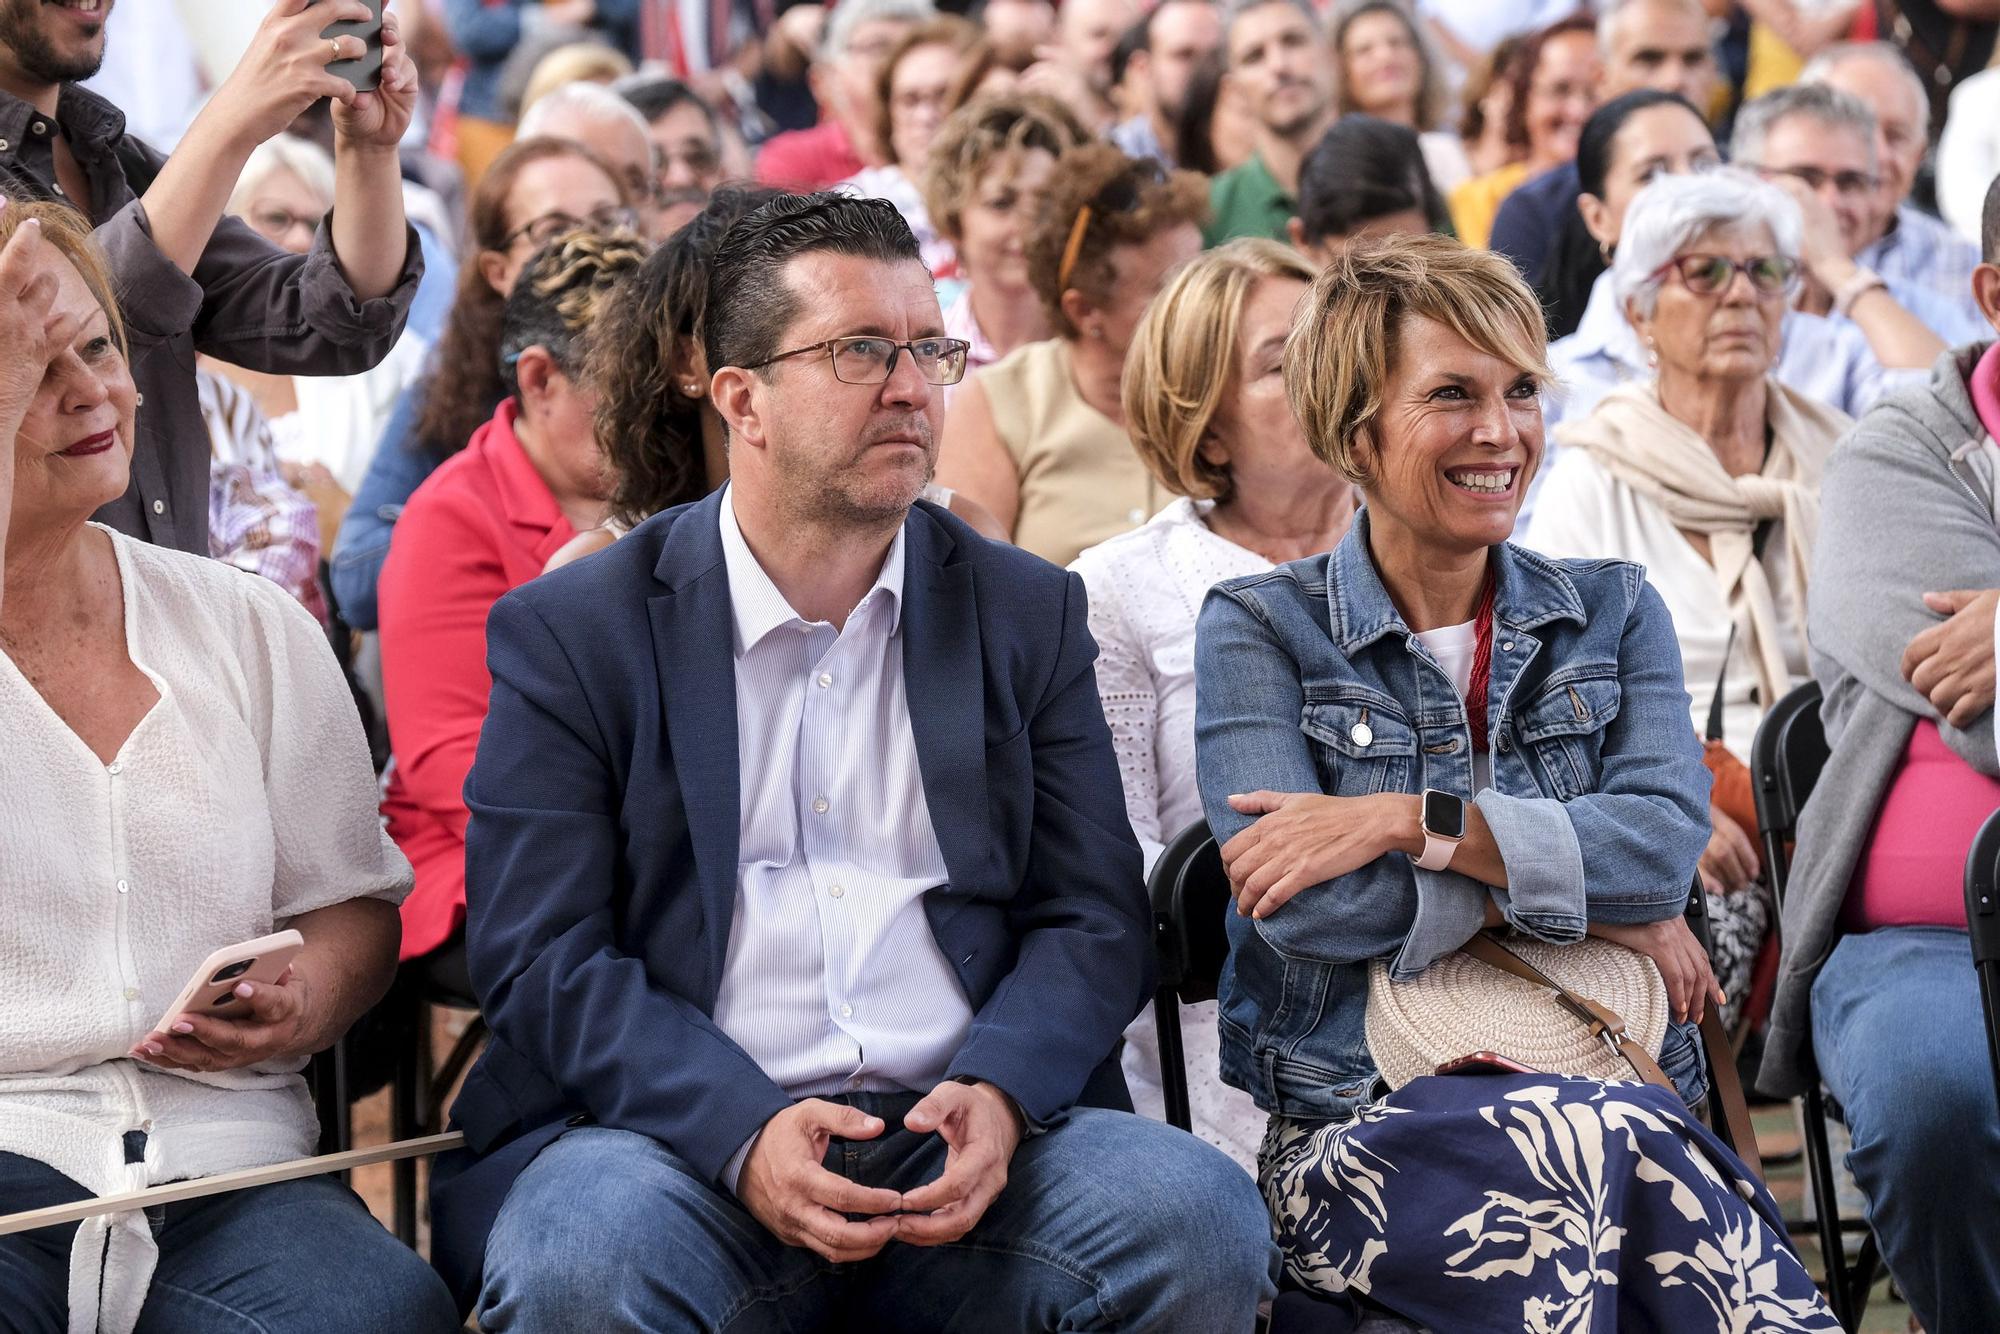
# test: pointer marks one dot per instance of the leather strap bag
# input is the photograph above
(1405, 1046)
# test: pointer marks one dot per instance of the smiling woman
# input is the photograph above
(184, 771)
(1429, 731)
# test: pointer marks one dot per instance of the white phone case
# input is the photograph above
(212, 988)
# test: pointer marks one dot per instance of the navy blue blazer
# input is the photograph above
(602, 851)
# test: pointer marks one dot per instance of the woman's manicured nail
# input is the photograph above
(183, 1026)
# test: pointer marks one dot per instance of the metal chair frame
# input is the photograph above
(1786, 758)
(1982, 921)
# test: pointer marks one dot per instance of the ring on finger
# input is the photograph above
(334, 42)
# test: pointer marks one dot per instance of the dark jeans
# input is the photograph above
(300, 1257)
(1106, 1222)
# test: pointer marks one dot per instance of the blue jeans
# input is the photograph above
(1108, 1221)
(1901, 1044)
(300, 1257)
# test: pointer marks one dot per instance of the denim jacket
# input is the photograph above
(1307, 680)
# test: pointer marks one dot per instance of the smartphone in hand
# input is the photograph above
(212, 989)
(364, 72)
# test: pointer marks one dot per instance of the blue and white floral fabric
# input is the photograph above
(1534, 1203)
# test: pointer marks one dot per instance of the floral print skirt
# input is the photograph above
(1534, 1203)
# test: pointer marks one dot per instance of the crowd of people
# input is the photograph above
(737, 536)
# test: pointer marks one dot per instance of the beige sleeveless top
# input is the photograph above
(1081, 481)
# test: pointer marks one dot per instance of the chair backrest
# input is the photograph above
(1190, 895)
(1786, 757)
(1982, 893)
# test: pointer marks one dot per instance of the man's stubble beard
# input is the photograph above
(34, 54)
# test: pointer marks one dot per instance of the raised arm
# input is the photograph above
(283, 73)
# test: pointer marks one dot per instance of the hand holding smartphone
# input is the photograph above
(364, 71)
(212, 989)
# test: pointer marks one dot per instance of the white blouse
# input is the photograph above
(242, 799)
(1584, 511)
(1146, 588)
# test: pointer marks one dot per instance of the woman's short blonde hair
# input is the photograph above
(1183, 362)
(285, 152)
(577, 62)
(1343, 346)
(69, 232)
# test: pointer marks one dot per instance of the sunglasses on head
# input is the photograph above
(1120, 194)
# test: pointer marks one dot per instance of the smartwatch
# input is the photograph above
(1444, 828)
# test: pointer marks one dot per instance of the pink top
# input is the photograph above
(1912, 871)
(1984, 386)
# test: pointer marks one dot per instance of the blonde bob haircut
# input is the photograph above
(1343, 345)
(1183, 362)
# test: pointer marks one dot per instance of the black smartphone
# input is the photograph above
(365, 71)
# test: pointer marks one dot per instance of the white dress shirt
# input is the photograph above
(833, 982)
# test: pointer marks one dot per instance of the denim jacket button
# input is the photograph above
(1362, 734)
(1504, 743)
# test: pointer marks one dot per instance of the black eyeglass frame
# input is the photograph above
(610, 218)
(953, 348)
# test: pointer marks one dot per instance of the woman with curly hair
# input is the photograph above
(534, 192)
(1039, 437)
(984, 180)
(486, 521)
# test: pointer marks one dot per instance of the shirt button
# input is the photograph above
(825, 680)
(1361, 735)
(847, 1012)
(39, 128)
(837, 891)
(123, 887)
(1507, 647)
(114, 768)
(131, 993)
(819, 805)
(59, 189)
(159, 507)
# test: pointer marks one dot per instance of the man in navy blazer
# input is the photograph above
(801, 900)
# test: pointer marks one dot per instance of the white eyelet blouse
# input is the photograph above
(242, 799)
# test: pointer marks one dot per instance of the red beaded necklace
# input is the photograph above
(1482, 668)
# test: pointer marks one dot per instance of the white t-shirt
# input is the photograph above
(1455, 647)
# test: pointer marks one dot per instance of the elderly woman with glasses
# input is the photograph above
(1708, 475)
(1430, 730)
(1038, 438)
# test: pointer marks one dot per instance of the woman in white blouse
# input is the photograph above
(184, 770)
(1204, 396)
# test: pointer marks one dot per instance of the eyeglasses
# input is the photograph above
(867, 359)
(273, 223)
(1844, 182)
(540, 231)
(1119, 195)
(1706, 275)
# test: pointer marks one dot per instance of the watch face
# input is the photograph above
(1444, 814)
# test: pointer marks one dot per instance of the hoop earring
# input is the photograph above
(139, 400)
(1604, 252)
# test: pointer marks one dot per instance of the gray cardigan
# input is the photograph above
(1906, 507)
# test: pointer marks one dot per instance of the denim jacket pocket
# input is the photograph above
(1564, 728)
(1359, 746)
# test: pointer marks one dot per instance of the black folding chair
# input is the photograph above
(1982, 920)
(418, 1089)
(1786, 757)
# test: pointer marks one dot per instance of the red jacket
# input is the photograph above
(483, 523)
(804, 160)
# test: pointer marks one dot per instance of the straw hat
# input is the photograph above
(1459, 1005)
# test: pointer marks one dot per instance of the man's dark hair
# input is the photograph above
(1137, 38)
(750, 304)
(560, 296)
(1989, 225)
(654, 95)
(1364, 168)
